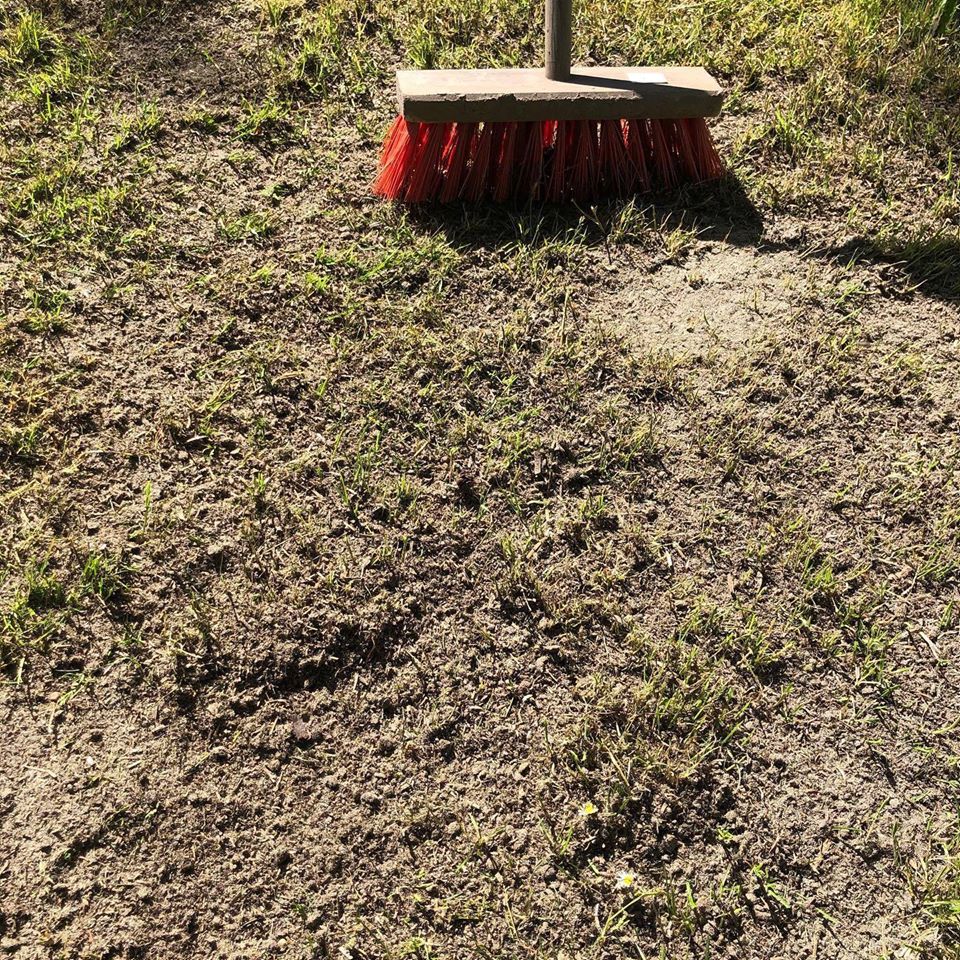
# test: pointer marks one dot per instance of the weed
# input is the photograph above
(102, 576)
(932, 877)
(28, 42)
(33, 618)
(269, 119)
(137, 130)
(256, 226)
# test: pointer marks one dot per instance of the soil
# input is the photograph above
(318, 716)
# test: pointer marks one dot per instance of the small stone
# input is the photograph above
(304, 732)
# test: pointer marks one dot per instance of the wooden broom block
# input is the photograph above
(591, 93)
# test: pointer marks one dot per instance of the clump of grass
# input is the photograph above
(932, 877)
(254, 227)
(325, 50)
(138, 129)
(268, 120)
(43, 590)
(683, 715)
(27, 41)
(930, 255)
(938, 559)
(47, 599)
(53, 208)
(733, 440)
(33, 617)
(936, 18)
(102, 576)
(39, 61)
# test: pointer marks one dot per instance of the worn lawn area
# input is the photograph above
(508, 582)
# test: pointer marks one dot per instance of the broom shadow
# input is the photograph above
(719, 210)
(931, 263)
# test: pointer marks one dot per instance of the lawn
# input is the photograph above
(490, 582)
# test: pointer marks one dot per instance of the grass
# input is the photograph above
(557, 639)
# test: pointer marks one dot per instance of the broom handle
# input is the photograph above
(557, 28)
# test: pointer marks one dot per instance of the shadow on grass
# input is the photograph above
(931, 262)
(720, 210)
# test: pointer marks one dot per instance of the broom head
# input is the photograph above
(513, 134)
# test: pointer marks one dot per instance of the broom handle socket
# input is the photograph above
(558, 19)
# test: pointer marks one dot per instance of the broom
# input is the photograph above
(553, 135)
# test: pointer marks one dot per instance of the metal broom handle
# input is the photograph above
(557, 23)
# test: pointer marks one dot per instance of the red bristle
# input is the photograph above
(479, 175)
(593, 128)
(455, 157)
(557, 187)
(503, 182)
(683, 150)
(709, 164)
(396, 159)
(549, 130)
(552, 159)
(663, 160)
(616, 171)
(497, 133)
(534, 183)
(529, 177)
(424, 181)
(583, 167)
(521, 152)
(637, 151)
(448, 145)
